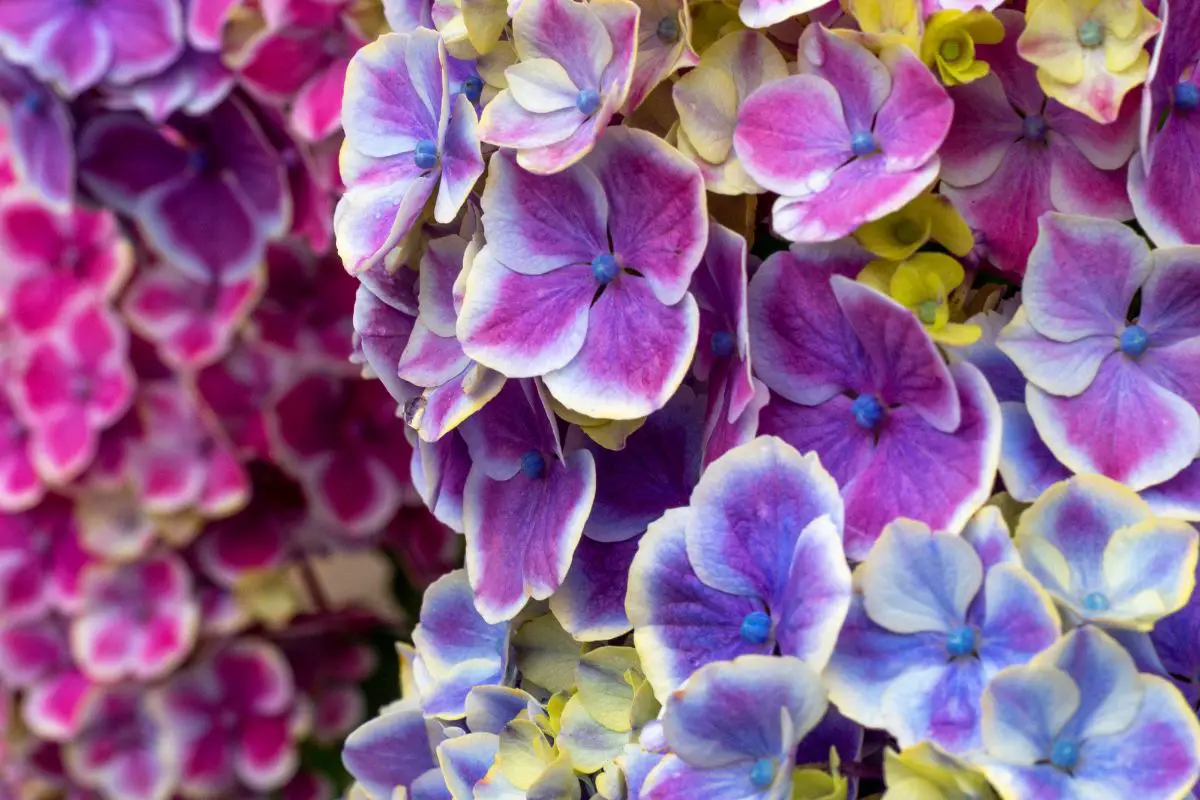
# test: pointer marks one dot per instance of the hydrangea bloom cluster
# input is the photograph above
(816, 387)
(195, 480)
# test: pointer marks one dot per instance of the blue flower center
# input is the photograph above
(867, 411)
(1134, 341)
(1091, 33)
(605, 268)
(722, 344)
(425, 154)
(756, 627)
(33, 101)
(863, 143)
(533, 465)
(762, 774)
(1095, 602)
(1036, 127)
(472, 87)
(961, 641)
(667, 30)
(587, 101)
(1064, 754)
(197, 160)
(1187, 95)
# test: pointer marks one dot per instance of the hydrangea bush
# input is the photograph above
(816, 386)
(195, 480)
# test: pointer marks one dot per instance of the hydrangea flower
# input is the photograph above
(663, 46)
(217, 172)
(123, 750)
(1006, 133)
(395, 751)
(629, 222)
(41, 561)
(70, 385)
(575, 65)
(733, 729)
(55, 256)
(138, 621)
(1090, 367)
(877, 124)
(340, 439)
(35, 658)
(923, 284)
(192, 322)
(307, 309)
(233, 719)
(949, 43)
(21, 487)
(934, 618)
(1104, 556)
(708, 99)
(525, 502)
(406, 138)
(855, 378)
(302, 60)
(1080, 720)
(1089, 54)
(754, 563)
(1169, 131)
(39, 131)
(77, 46)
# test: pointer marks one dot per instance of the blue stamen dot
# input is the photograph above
(1091, 33)
(756, 627)
(867, 410)
(605, 268)
(1036, 127)
(533, 465)
(667, 30)
(1134, 341)
(1095, 602)
(472, 87)
(961, 641)
(197, 161)
(863, 143)
(1187, 95)
(425, 154)
(587, 101)
(33, 101)
(1064, 754)
(722, 344)
(762, 774)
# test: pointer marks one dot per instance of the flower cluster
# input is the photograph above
(195, 480)
(816, 386)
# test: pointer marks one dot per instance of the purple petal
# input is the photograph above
(914, 120)
(390, 751)
(861, 80)
(590, 604)
(521, 532)
(1027, 466)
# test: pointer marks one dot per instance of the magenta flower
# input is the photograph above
(232, 720)
(70, 385)
(237, 390)
(341, 440)
(35, 658)
(303, 62)
(41, 561)
(20, 485)
(868, 146)
(1007, 134)
(307, 309)
(574, 72)
(185, 461)
(406, 139)
(123, 750)
(191, 322)
(54, 256)
(259, 537)
(138, 620)
(41, 145)
(181, 183)
(627, 224)
(855, 378)
(1170, 133)
(77, 45)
